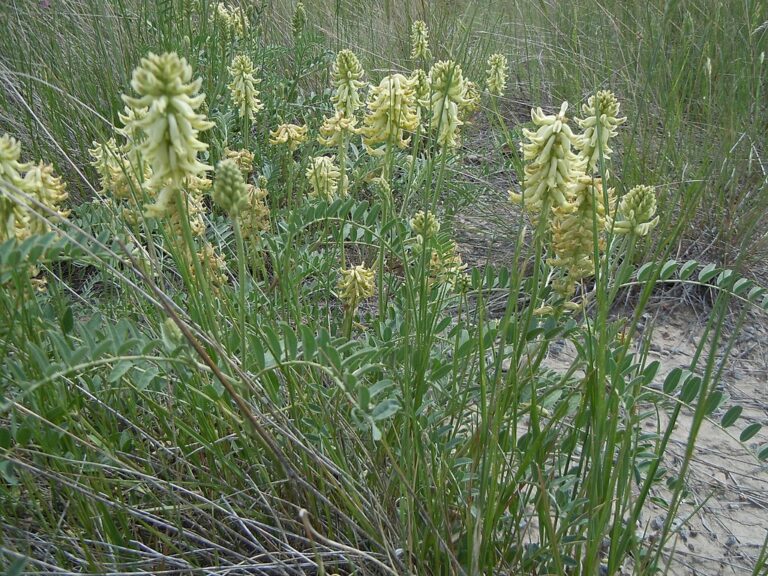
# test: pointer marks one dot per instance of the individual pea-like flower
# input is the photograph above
(323, 176)
(229, 190)
(470, 99)
(243, 158)
(552, 166)
(347, 73)
(391, 113)
(290, 134)
(254, 218)
(334, 128)
(355, 285)
(574, 226)
(496, 80)
(299, 19)
(448, 88)
(637, 212)
(601, 117)
(420, 41)
(171, 125)
(243, 87)
(425, 224)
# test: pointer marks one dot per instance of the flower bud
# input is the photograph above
(229, 189)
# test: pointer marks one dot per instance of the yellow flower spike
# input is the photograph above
(117, 175)
(446, 265)
(290, 134)
(299, 19)
(391, 113)
(213, 265)
(243, 87)
(171, 125)
(425, 224)
(637, 210)
(355, 285)
(448, 88)
(552, 166)
(421, 87)
(496, 80)
(470, 99)
(335, 127)
(573, 239)
(347, 73)
(229, 190)
(324, 176)
(233, 22)
(243, 159)
(49, 190)
(255, 217)
(420, 41)
(599, 125)
(238, 22)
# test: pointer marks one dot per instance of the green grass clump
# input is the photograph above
(283, 364)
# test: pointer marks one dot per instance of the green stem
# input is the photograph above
(241, 281)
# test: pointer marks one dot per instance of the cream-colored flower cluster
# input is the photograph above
(254, 219)
(420, 41)
(560, 186)
(347, 76)
(42, 193)
(448, 90)
(425, 224)
(637, 212)
(291, 135)
(299, 20)
(234, 21)
(573, 226)
(243, 87)
(391, 114)
(355, 285)
(601, 118)
(165, 113)
(323, 176)
(551, 164)
(497, 74)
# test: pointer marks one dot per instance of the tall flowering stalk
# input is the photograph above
(601, 118)
(496, 81)
(243, 91)
(552, 166)
(420, 41)
(347, 76)
(355, 285)
(391, 114)
(448, 90)
(166, 114)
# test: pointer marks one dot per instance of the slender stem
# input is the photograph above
(241, 281)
